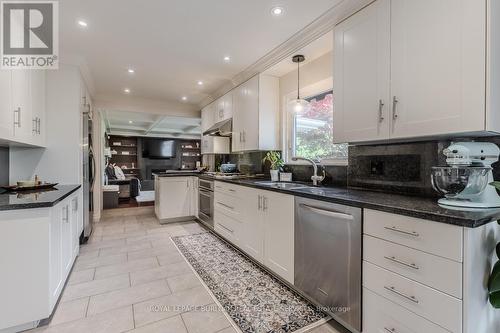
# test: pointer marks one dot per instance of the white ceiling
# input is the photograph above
(172, 44)
(145, 124)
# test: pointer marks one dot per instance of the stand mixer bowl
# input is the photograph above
(460, 182)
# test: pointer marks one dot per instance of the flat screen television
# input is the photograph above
(158, 148)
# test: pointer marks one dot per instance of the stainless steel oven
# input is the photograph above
(206, 202)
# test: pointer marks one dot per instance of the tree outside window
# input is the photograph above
(313, 130)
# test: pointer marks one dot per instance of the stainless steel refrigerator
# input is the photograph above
(88, 177)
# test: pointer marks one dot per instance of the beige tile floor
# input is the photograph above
(131, 278)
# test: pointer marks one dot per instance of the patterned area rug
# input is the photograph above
(255, 300)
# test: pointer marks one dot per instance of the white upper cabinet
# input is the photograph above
(6, 111)
(362, 75)
(207, 117)
(224, 107)
(38, 118)
(256, 114)
(212, 144)
(409, 68)
(21, 105)
(438, 73)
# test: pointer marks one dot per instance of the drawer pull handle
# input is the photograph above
(231, 190)
(390, 330)
(227, 206)
(396, 260)
(410, 233)
(393, 290)
(323, 292)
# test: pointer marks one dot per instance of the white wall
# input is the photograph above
(311, 73)
(134, 104)
(61, 161)
(314, 75)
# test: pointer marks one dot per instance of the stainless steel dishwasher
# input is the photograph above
(328, 258)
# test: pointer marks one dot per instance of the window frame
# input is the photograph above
(288, 134)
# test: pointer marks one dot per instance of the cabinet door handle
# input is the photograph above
(244, 136)
(34, 126)
(259, 204)
(39, 121)
(75, 204)
(409, 233)
(380, 111)
(65, 214)
(401, 262)
(241, 136)
(399, 293)
(18, 112)
(264, 203)
(395, 102)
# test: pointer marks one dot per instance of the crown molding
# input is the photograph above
(322, 25)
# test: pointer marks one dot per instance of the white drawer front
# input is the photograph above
(383, 316)
(228, 205)
(230, 189)
(433, 237)
(438, 307)
(227, 227)
(436, 272)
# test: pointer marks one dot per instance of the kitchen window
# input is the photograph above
(311, 134)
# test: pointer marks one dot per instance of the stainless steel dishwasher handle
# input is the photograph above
(330, 213)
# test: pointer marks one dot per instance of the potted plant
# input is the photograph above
(274, 158)
(494, 280)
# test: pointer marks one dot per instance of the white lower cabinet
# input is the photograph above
(37, 252)
(383, 316)
(422, 276)
(174, 198)
(259, 222)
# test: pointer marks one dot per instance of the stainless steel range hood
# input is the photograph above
(222, 128)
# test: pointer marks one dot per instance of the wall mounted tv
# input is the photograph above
(158, 148)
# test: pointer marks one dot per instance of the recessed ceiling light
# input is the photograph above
(82, 23)
(277, 11)
(200, 83)
(184, 98)
(126, 91)
(130, 121)
(131, 70)
(227, 58)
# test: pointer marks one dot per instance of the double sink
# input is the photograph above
(291, 186)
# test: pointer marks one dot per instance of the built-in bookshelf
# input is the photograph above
(124, 154)
(190, 154)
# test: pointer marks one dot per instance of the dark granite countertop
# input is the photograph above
(413, 206)
(418, 207)
(36, 199)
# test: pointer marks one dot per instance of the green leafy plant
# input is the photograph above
(274, 158)
(494, 280)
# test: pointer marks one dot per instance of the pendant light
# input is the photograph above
(298, 105)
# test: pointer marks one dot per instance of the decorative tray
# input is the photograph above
(16, 188)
